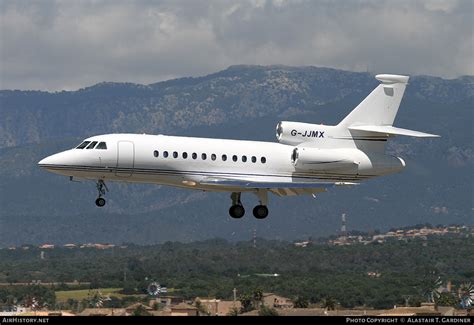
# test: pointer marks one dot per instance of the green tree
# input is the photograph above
(246, 302)
(257, 297)
(140, 311)
(130, 287)
(447, 299)
(156, 306)
(95, 283)
(329, 303)
(234, 311)
(267, 311)
(201, 309)
(95, 299)
(301, 302)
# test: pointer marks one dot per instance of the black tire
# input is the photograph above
(237, 211)
(100, 202)
(260, 212)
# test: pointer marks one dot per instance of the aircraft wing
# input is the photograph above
(280, 188)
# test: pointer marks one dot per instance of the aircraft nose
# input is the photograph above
(43, 162)
(53, 160)
(57, 163)
(48, 161)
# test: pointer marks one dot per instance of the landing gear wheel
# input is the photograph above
(237, 211)
(260, 212)
(101, 189)
(100, 202)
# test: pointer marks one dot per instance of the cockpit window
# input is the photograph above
(101, 145)
(83, 145)
(92, 145)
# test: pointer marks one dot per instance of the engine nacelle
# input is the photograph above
(345, 160)
(294, 133)
(385, 164)
(325, 159)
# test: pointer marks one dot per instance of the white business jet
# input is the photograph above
(308, 158)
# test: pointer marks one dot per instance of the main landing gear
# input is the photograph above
(237, 210)
(260, 212)
(101, 188)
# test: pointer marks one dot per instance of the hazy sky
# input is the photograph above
(54, 45)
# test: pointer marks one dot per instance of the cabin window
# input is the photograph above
(204, 156)
(195, 155)
(102, 145)
(185, 155)
(165, 154)
(83, 145)
(263, 160)
(254, 159)
(156, 153)
(244, 158)
(92, 145)
(213, 156)
(175, 154)
(224, 157)
(234, 158)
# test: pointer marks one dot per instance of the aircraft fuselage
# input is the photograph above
(308, 158)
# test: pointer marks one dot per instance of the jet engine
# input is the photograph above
(345, 160)
(294, 133)
(325, 159)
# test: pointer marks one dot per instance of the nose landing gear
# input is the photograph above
(100, 202)
(101, 188)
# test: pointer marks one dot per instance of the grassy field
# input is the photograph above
(63, 296)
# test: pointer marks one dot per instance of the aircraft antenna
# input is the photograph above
(343, 227)
(255, 238)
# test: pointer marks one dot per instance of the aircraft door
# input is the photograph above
(125, 158)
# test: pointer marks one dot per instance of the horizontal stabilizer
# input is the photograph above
(392, 78)
(386, 129)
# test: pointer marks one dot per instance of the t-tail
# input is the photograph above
(377, 112)
(358, 143)
(369, 125)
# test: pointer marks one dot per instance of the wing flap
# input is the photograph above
(262, 184)
(281, 188)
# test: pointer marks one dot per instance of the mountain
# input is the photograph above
(241, 102)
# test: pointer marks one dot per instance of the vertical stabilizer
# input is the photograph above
(381, 106)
